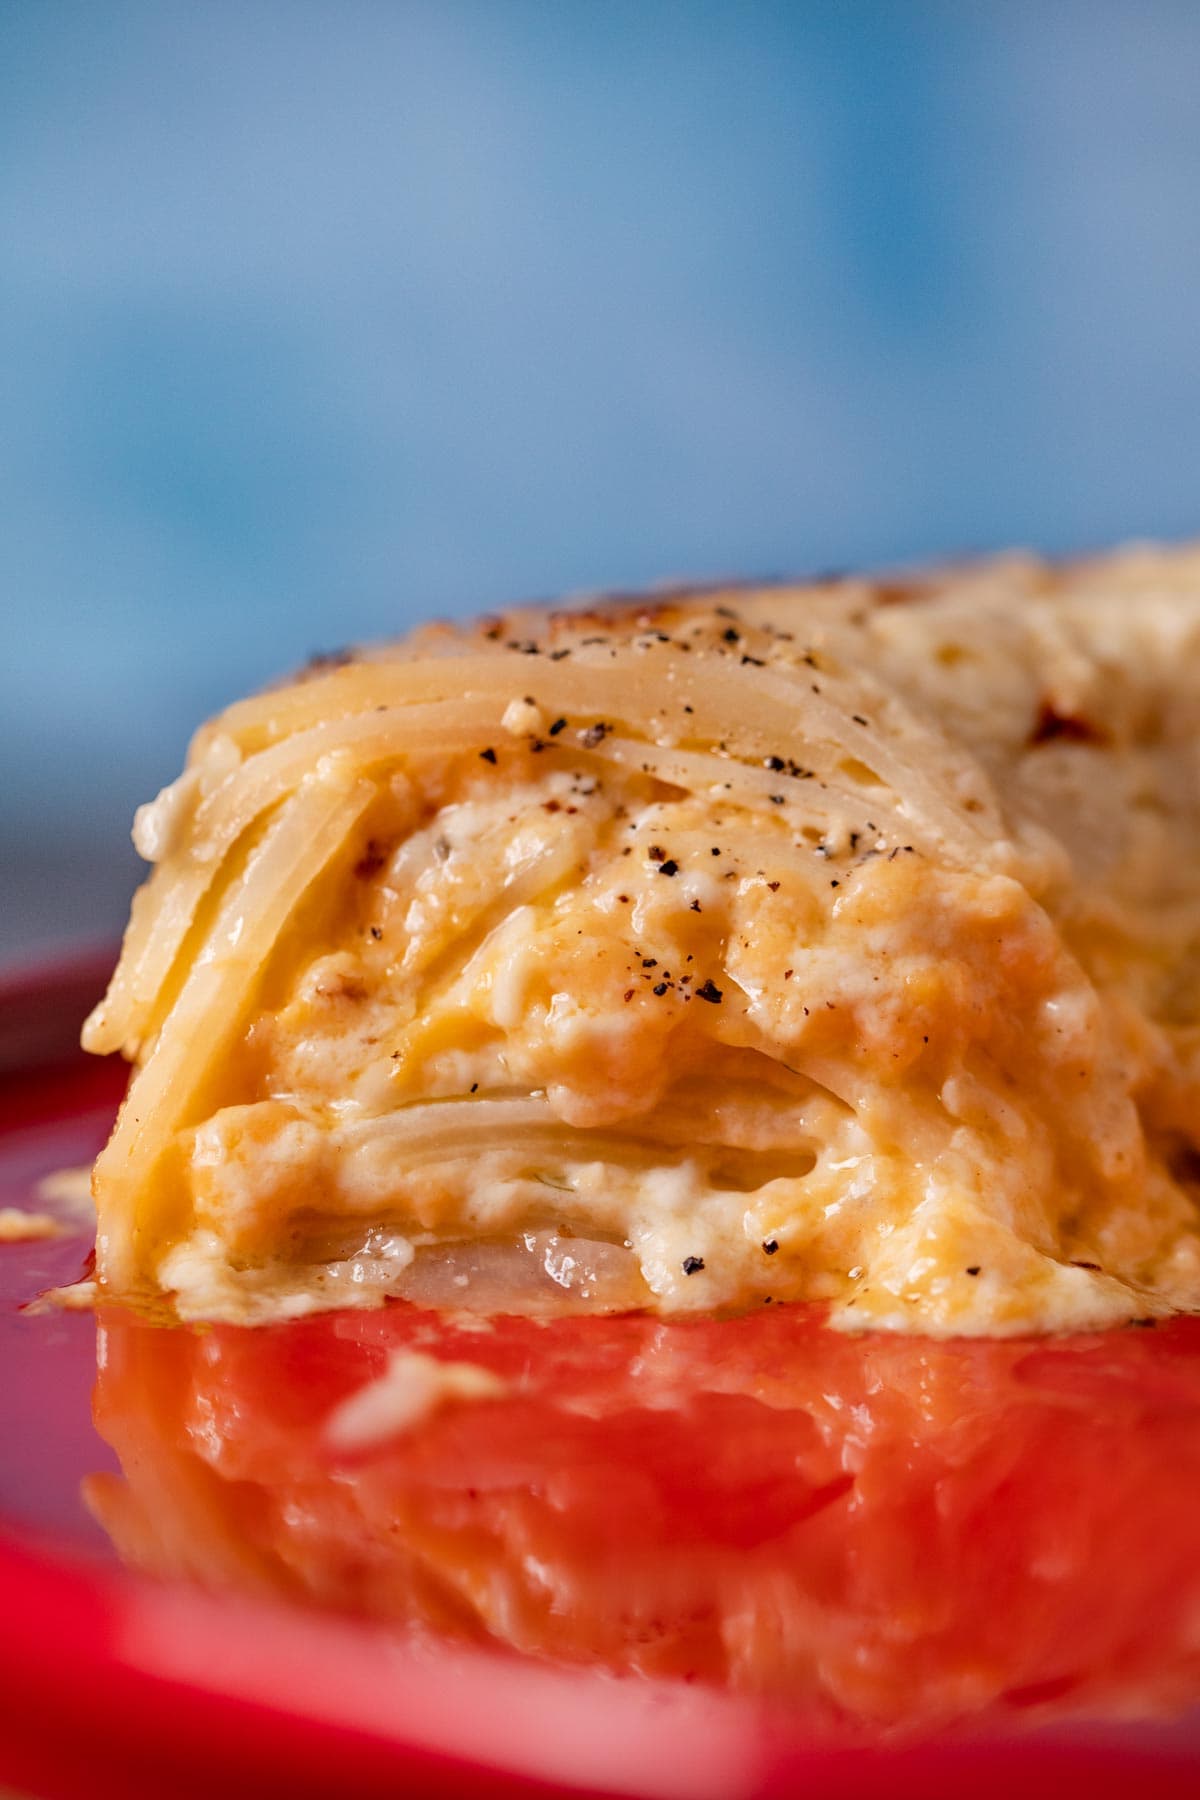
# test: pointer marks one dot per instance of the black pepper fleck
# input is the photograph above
(710, 991)
(692, 1265)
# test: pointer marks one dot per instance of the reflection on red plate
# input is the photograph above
(892, 1536)
(721, 1558)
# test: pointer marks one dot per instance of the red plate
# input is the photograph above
(724, 1558)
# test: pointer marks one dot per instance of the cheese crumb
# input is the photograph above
(17, 1227)
(78, 1296)
(71, 1191)
(523, 718)
(412, 1389)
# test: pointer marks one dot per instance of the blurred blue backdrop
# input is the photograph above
(315, 318)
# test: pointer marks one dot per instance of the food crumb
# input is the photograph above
(77, 1296)
(412, 1388)
(70, 1190)
(523, 718)
(18, 1227)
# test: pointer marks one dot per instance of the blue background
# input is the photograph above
(317, 318)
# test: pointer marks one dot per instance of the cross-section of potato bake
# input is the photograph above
(833, 942)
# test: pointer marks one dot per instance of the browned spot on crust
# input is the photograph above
(321, 660)
(371, 861)
(1051, 724)
(343, 987)
(902, 593)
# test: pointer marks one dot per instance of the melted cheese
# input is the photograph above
(835, 943)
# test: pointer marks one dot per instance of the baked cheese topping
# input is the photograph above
(837, 942)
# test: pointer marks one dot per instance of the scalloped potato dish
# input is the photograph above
(692, 952)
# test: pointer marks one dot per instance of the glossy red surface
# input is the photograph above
(888, 1537)
(864, 1566)
(48, 1121)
